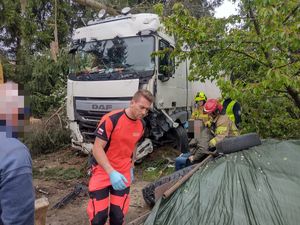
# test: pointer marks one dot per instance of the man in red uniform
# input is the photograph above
(114, 149)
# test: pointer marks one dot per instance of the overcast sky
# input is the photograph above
(226, 9)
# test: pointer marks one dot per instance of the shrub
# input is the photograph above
(47, 136)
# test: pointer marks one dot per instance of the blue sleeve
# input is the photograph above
(16, 187)
(237, 113)
(17, 200)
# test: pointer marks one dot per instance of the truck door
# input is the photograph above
(171, 81)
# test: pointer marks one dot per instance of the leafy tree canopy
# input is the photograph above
(254, 55)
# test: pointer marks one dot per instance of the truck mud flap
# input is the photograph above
(234, 144)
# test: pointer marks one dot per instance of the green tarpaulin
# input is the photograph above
(260, 185)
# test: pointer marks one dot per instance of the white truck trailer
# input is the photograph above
(111, 59)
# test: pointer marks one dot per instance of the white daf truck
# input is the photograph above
(111, 59)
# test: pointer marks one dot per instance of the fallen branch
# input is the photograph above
(56, 114)
(170, 191)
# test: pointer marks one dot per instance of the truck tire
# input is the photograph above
(149, 190)
(180, 137)
(234, 144)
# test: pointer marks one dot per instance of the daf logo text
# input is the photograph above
(102, 107)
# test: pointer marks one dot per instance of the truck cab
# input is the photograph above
(111, 58)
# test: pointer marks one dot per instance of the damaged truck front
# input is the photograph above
(111, 59)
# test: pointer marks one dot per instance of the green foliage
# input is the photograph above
(265, 112)
(48, 83)
(42, 138)
(258, 50)
(40, 20)
(25, 39)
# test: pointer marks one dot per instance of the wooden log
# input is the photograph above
(186, 176)
(40, 209)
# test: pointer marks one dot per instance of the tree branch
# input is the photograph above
(290, 63)
(96, 6)
(294, 94)
(257, 30)
(249, 56)
(291, 13)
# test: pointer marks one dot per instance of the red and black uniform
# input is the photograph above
(122, 135)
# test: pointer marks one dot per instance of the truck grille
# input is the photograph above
(88, 121)
(89, 111)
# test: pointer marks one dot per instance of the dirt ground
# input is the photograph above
(56, 187)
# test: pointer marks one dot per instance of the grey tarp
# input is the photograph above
(256, 186)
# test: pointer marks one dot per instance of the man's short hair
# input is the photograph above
(143, 93)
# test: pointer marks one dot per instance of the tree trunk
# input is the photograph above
(54, 44)
(96, 6)
(295, 95)
(23, 6)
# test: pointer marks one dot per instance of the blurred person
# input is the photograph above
(114, 149)
(16, 188)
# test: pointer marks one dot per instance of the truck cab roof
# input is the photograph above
(119, 26)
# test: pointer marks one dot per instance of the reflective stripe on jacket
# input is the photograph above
(229, 110)
(198, 114)
(223, 127)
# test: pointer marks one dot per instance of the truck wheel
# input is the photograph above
(180, 137)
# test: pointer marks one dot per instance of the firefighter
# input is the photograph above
(233, 110)
(211, 134)
(200, 100)
(221, 126)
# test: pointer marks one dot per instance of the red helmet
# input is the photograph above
(212, 105)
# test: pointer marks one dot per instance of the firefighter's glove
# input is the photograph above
(117, 180)
(207, 123)
(132, 174)
(212, 143)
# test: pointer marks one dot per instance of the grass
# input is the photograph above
(152, 170)
(58, 173)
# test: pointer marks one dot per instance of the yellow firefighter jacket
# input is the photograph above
(198, 114)
(222, 127)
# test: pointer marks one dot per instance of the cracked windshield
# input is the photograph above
(119, 58)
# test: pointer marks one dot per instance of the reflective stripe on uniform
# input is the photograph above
(229, 111)
(220, 130)
(108, 198)
(212, 142)
(235, 131)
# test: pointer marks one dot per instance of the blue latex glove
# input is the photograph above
(186, 125)
(132, 174)
(117, 180)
